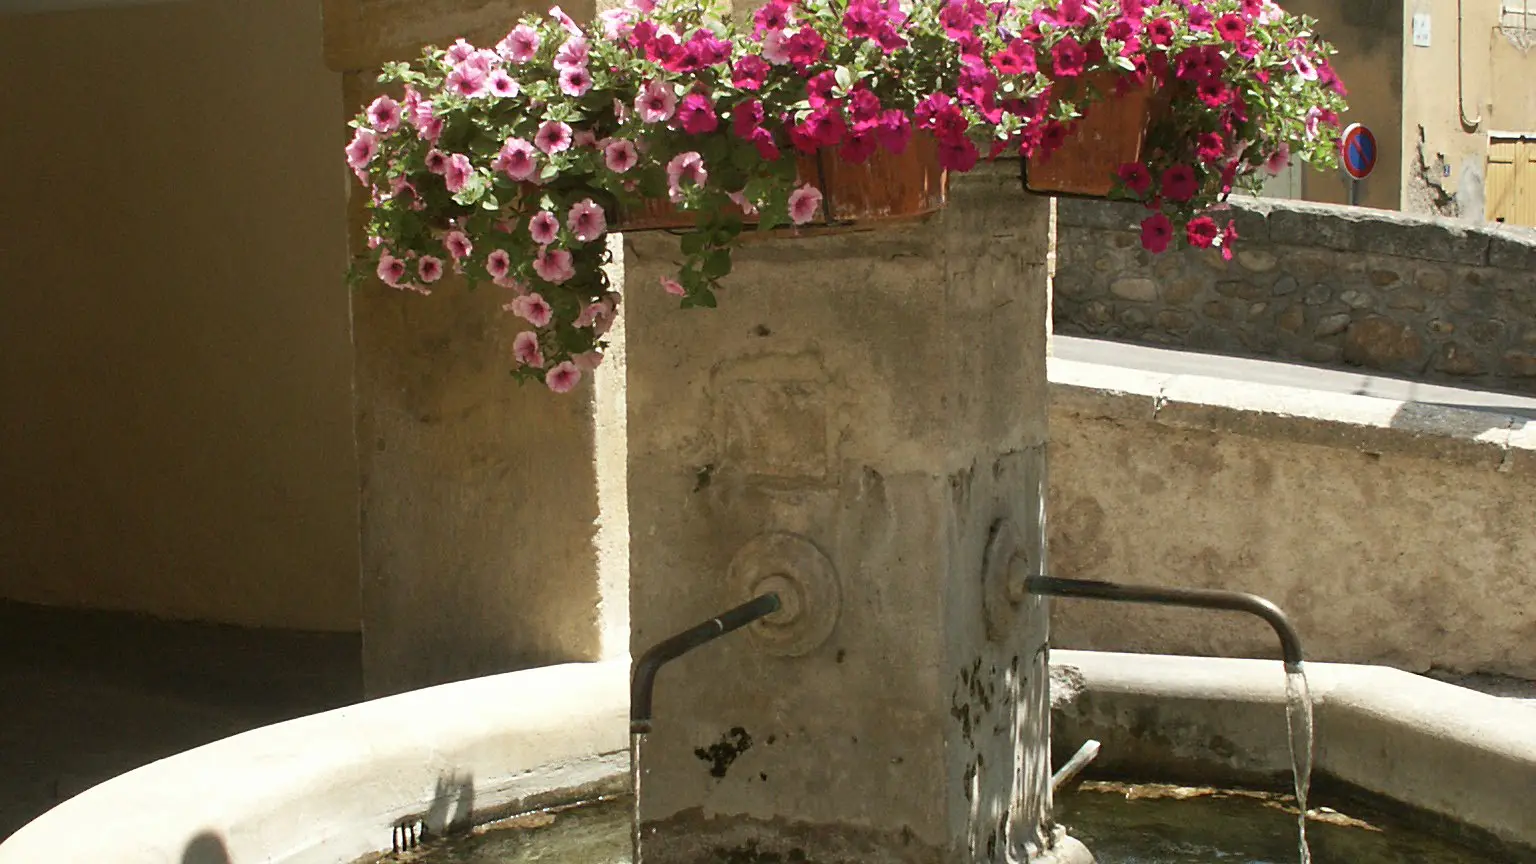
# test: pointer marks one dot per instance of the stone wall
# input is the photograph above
(1408, 296)
(1393, 533)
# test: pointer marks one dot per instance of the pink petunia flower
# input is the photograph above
(525, 349)
(554, 265)
(563, 378)
(567, 23)
(1279, 160)
(364, 146)
(673, 287)
(437, 162)
(776, 48)
(430, 269)
(544, 227)
(573, 54)
(502, 85)
(458, 245)
(460, 51)
(803, 204)
(656, 103)
(520, 45)
(598, 316)
(391, 269)
(469, 81)
(498, 264)
(588, 361)
(1304, 67)
(575, 81)
(516, 160)
(685, 167)
(532, 308)
(553, 137)
(384, 114)
(620, 155)
(586, 220)
(458, 172)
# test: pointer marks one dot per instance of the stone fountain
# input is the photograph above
(857, 424)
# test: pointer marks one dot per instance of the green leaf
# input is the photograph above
(693, 243)
(717, 264)
(844, 77)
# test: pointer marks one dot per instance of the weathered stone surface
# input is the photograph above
(1293, 319)
(1175, 320)
(1520, 363)
(1258, 261)
(1331, 325)
(1097, 314)
(1381, 343)
(1137, 289)
(1134, 318)
(1454, 360)
(1335, 265)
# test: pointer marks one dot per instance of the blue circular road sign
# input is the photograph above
(1357, 148)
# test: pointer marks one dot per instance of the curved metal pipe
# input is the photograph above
(1461, 106)
(1193, 598)
(643, 685)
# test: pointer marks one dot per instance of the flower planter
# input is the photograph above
(886, 188)
(1109, 135)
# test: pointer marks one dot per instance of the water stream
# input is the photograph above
(635, 740)
(1298, 724)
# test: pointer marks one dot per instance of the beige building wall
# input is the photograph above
(1447, 143)
(175, 363)
(1368, 35)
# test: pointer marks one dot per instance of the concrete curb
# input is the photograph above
(1454, 752)
(330, 787)
(1486, 439)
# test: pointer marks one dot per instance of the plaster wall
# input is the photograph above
(175, 365)
(1392, 533)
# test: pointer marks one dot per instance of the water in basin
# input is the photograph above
(1156, 826)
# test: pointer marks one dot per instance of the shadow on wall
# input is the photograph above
(206, 848)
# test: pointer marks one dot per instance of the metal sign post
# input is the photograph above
(1357, 156)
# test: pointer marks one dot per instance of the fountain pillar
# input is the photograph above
(846, 429)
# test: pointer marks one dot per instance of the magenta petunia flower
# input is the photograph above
(516, 160)
(685, 168)
(620, 155)
(803, 204)
(1231, 28)
(502, 85)
(696, 114)
(575, 81)
(805, 48)
(1136, 177)
(1161, 31)
(1156, 231)
(553, 137)
(1199, 18)
(458, 245)
(544, 227)
(1201, 232)
(894, 131)
(458, 172)
(554, 265)
(750, 72)
(1209, 147)
(563, 378)
(1068, 58)
(746, 117)
(656, 103)
(430, 269)
(1304, 67)
(520, 45)
(525, 349)
(586, 220)
(384, 114)
(1180, 183)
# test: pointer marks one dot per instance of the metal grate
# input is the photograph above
(1517, 22)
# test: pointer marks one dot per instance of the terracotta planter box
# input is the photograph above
(1112, 134)
(886, 188)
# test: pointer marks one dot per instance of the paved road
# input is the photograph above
(1167, 361)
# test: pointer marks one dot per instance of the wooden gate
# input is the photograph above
(1511, 180)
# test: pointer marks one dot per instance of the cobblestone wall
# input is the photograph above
(1425, 298)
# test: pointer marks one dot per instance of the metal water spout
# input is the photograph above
(1192, 598)
(643, 685)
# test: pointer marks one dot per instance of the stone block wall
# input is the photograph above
(1342, 286)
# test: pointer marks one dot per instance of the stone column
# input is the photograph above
(848, 428)
(488, 541)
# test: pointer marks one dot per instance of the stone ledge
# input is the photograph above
(1369, 424)
(327, 787)
(1455, 752)
(1340, 228)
